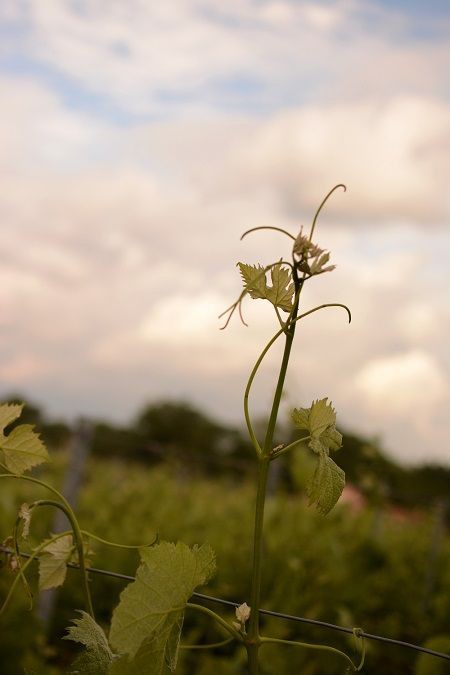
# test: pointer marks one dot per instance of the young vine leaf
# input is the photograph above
(280, 294)
(326, 485)
(312, 258)
(97, 657)
(53, 562)
(328, 480)
(147, 623)
(22, 448)
(9, 412)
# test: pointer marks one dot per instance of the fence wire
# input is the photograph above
(266, 612)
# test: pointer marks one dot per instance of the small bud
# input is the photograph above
(243, 613)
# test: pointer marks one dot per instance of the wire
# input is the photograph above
(266, 612)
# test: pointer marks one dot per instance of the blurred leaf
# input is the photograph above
(427, 664)
(97, 657)
(326, 485)
(9, 412)
(146, 624)
(53, 562)
(23, 449)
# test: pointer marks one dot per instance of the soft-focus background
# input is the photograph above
(138, 140)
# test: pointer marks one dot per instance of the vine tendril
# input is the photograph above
(267, 227)
(325, 199)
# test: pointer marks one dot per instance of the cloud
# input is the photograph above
(393, 157)
(160, 58)
(38, 133)
(402, 379)
(411, 393)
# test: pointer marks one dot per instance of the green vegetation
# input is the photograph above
(365, 568)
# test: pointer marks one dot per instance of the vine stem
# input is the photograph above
(307, 645)
(210, 645)
(64, 506)
(288, 448)
(289, 323)
(24, 567)
(253, 641)
(212, 615)
(91, 535)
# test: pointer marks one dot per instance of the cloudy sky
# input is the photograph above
(139, 139)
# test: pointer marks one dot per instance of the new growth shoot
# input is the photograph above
(281, 284)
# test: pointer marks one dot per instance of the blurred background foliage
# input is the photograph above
(380, 560)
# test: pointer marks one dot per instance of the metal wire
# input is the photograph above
(266, 612)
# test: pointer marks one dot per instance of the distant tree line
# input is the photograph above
(179, 433)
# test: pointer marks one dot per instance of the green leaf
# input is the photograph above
(9, 412)
(150, 659)
(280, 294)
(331, 438)
(146, 624)
(328, 481)
(318, 264)
(326, 484)
(97, 657)
(254, 278)
(23, 449)
(319, 420)
(321, 416)
(53, 562)
(300, 417)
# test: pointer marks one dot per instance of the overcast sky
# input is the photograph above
(139, 139)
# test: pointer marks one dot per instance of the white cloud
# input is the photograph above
(150, 57)
(402, 380)
(37, 133)
(410, 393)
(393, 157)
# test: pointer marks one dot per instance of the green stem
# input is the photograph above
(268, 441)
(113, 543)
(211, 645)
(289, 323)
(307, 645)
(252, 643)
(25, 566)
(289, 447)
(280, 320)
(78, 536)
(205, 610)
(38, 482)
(361, 646)
(253, 658)
(253, 640)
(65, 506)
(18, 561)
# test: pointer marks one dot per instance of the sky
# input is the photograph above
(139, 139)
